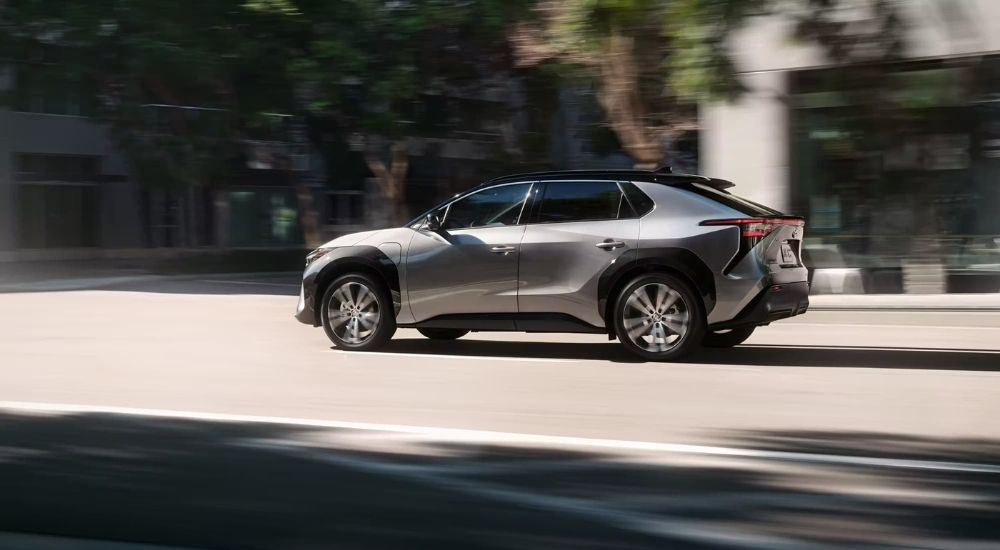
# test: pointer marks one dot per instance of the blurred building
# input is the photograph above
(898, 174)
(60, 185)
(66, 191)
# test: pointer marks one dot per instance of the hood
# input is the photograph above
(354, 238)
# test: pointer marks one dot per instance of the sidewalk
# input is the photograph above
(104, 277)
(907, 302)
(82, 275)
(53, 276)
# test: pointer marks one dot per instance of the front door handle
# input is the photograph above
(502, 249)
(610, 245)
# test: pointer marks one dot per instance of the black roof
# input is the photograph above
(662, 175)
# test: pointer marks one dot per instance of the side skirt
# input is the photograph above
(510, 322)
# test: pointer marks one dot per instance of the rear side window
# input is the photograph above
(573, 201)
(744, 206)
(641, 203)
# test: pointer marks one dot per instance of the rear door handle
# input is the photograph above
(610, 245)
(502, 249)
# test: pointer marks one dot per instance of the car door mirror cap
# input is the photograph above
(432, 222)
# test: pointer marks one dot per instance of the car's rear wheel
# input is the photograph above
(358, 313)
(443, 333)
(659, 317)
(727, 338)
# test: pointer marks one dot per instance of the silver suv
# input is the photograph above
(663, 262)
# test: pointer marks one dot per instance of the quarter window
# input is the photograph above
(571, 201)
(493, 207)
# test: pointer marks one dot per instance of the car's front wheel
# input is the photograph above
(443, 333)
(358, 313)
(659, 317)
(727, 338)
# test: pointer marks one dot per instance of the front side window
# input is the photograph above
(572, 201)
(493, 207)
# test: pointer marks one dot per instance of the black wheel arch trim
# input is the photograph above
(364, 258)
(633, 263)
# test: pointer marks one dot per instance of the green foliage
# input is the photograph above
(683, 42)
(375, 66)
(700, 65)
(225, 54)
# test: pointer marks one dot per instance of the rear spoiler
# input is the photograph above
(716, 183)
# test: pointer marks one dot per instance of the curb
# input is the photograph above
(92, 283)
(915, 309)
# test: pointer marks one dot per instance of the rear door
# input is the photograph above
(577, 229)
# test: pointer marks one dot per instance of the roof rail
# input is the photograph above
(663, 174)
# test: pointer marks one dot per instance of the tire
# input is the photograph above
(727, 338)
(443, 333)
(667, 334)
(348, 302)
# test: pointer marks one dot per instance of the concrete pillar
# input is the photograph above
(746, 142)
(8, 213)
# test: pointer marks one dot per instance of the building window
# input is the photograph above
(50, 89)
(58, 200)
(911, 174)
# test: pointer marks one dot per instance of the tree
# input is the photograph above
(385, 72)
(650, 61)
(223, 57)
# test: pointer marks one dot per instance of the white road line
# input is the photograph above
(484, 436)
(248, 283)
(417, 354)
(659, 525)
(872, 348)
(886, 325)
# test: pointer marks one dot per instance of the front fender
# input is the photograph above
(346, 259)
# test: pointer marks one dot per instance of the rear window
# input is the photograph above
(744, 206)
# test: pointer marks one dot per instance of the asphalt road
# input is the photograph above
(199, 413)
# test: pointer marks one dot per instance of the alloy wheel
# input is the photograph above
(353, 313)
(656, 317)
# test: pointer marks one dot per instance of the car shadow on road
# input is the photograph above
(205, 484)
(852, 357)
(751, 355)
(471, 347)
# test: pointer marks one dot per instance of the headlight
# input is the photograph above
(316, 254)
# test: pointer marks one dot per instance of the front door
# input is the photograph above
(469, 266)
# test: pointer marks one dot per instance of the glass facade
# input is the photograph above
(263, 217)
(901, 170)
(58, 201)
(49, 88)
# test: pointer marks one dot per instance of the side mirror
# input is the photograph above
(433, 222)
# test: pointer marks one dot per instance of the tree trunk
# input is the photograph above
(391, 180)
(308, 216)
(619, 96)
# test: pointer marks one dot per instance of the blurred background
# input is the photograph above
(165, 165)
(143, 130)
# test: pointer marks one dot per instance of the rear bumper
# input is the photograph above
(773, 303)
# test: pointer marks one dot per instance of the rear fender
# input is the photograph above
(633, 263)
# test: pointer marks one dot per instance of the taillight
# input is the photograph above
(756, 227)
(752, 231)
